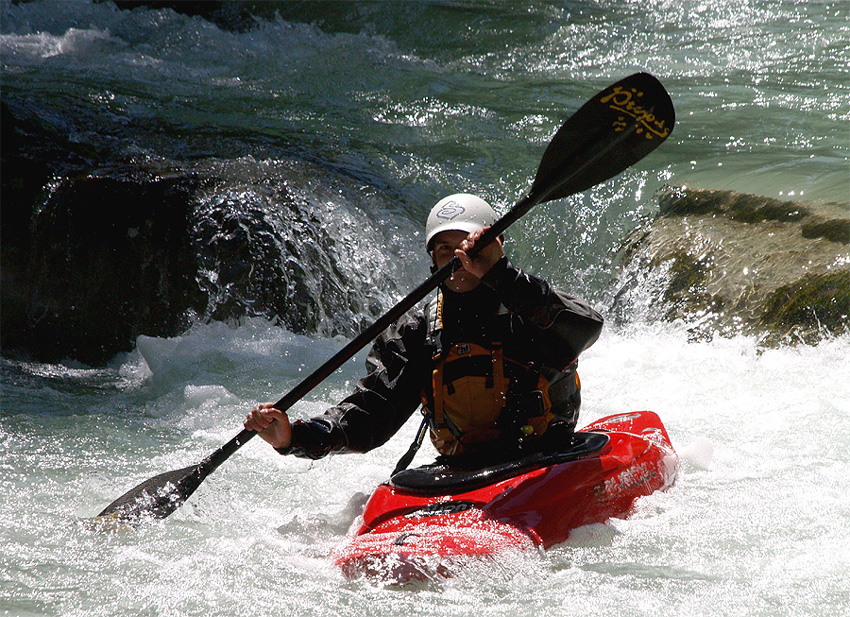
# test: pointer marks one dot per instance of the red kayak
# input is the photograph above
(425, 520)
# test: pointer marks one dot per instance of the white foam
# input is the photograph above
(697, 454)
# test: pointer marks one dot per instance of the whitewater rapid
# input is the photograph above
(756, 523)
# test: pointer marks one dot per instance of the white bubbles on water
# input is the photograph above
(697, 454)
(761, 468)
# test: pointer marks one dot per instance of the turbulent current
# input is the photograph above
(202, 205)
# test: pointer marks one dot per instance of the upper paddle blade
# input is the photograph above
(609, 133)
(157, 497)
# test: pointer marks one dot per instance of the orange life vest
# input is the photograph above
(478, 396)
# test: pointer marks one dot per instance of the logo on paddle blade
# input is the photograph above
(625, 102)
(450, 210)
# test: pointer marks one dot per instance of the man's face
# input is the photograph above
(445, 244)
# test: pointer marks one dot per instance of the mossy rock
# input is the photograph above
(815, 303)
(742, 207)
(730, 263)
(686, 291)
(834, 230)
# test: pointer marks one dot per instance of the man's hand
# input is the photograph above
(484, 260)
(271, 424)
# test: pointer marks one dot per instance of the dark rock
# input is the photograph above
(834, 230)
(97, 250)
(237, 15)
(272, 241)
(109, 259)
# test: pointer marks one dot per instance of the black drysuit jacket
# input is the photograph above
(547, 327)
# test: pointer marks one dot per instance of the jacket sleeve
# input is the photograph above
(382, 402)
(565, 326)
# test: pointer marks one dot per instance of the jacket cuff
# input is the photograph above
(310, 439)
(292, 447)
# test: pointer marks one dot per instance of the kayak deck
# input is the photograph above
(445, 480)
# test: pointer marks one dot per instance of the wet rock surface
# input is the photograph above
(108, 259)
(97, 249)
(727, 262)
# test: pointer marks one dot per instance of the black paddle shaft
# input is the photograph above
(608, 134)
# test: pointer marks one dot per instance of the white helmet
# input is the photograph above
(460, 212)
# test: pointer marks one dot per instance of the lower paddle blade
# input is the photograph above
(612, 131)
(157, 497)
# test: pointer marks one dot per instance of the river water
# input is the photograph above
(422, 99)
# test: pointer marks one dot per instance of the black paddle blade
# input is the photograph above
(163, 494)
(612, 131)
(156, 497)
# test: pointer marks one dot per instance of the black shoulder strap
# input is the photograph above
(404, 461)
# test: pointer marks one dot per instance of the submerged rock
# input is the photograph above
(236, 15)
(727, 262)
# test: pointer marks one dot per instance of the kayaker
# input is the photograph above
(492, 360)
